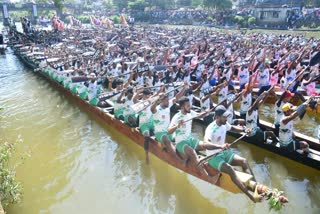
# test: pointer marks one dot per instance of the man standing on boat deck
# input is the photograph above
(286, 135)
(181, 125)
(223, 162)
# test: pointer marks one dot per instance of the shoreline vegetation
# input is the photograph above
(10, 187)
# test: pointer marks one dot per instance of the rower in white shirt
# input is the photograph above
(216, 134)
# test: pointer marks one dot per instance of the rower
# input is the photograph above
(264, 78)
(216, 134)
(126, 108)
(92, 87)
(223, 93)
(145, 118)
(252, 119)
(284, 98)
(309, 85)
(118, 107)
(246, 100)
(161, 119)
(243, 75)
(286, 135)
(181, 125)
(205, 101)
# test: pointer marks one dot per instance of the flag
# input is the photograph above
(95, 21)
(123, 20)
(60, 25)
(106, 22)
(74, 21)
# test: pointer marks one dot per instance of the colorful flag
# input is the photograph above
(123, 20)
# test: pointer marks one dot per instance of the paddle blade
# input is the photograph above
(315, 59)
(140, 106)
(79, 79)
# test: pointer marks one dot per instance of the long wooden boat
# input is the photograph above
(272, 99)
(312, 159)
(294, 100)
(155, 147)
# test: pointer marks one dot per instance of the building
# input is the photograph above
(273, 12)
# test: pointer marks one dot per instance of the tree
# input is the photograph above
(137, 4)
(163, 4)
(58, 4)
(218, 4)
(197, 3)
(184, 3)
(121, 4)
(311, 3)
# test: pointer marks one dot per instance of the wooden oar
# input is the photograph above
(212, 109)
(106, 96)
(221, 150)
(138, 107)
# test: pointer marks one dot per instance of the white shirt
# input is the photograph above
(243, 76)
(263, 78)
(274, 79)
(310, 88)
(204, 86)
(127, 107)
(245, 104)
(285, 133)
(161, 118)
(216, 134)
(184, 131)
(278, 113)
(251, 121)
(145, 116)
(114, 99)
(199, 71)
(140, 80)
(92, 87)
(223, 94)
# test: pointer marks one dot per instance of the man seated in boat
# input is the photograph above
(308, 84)
(128, 113)
(161, 119)
(245, 100)
(216, 134)
(118, 106)
(145, 116)
(286, 135)
(264, 77)
(284, 99)
(206, 100)
(252, 120)
(92, 87)
(180, 126)
(205, 90)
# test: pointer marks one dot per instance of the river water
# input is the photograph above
(79, 165)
